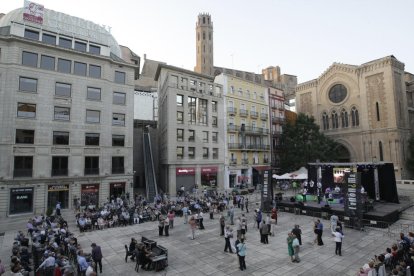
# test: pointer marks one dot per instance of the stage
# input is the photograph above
(377, 212)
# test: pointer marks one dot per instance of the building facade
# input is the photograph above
(277, 120)
(364, 108)
(247, 139)
(66, 109)
(190, 129)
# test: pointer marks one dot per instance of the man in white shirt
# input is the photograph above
(48, 263)
(338, 236)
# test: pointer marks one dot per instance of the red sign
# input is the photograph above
(207, 170)
(185, 171)
(90, 188)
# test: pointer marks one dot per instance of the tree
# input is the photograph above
(410, 160)
(303, 143)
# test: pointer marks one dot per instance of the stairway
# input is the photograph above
(150, 180)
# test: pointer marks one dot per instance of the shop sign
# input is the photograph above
(206, 170)
(118, 185)
(90, 188)
(58, 188)
(185, 171)
(22, 190)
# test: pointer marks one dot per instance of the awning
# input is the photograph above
(262, 168)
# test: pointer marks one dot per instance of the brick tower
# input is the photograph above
(204, 45)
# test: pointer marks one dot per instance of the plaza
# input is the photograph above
(205, 256)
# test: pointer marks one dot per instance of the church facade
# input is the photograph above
(364, 108)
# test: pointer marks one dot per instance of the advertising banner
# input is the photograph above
(33, 12)
(353, 203)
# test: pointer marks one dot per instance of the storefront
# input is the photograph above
(209, 176)
(21, 200)
(90, 195)
(117, 190)
(58, 193)
(185, 177)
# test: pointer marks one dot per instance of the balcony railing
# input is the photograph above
(245, 161)
(231, 110)
(254, 114)
(278, 120)
(59, 172)
(235, 146)
(89, 171)
(276, 132)
(118, 170)
(22, 173)
(264, 116)
(231, 127)
(233, 161)
(243, 113)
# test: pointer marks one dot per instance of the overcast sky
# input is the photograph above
(303, 37)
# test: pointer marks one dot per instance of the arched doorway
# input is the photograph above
(343, 155)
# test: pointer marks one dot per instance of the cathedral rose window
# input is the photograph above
(337, 93)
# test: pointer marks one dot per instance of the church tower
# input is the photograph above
(204, 45)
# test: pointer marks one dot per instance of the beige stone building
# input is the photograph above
(364, 108)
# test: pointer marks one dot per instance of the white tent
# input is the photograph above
(302, 173)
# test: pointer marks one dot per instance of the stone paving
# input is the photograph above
(205, 256)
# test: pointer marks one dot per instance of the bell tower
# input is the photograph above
(204, 45)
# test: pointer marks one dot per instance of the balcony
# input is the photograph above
(253, 130)
(91, 171)
(278, 120)
(243, 113)
(232, 128)
(245, 161)
(264, 116)
(276, 132)
(120, 170)
(59, 172)
(254, 114)
(22, 173)
(234, 146)
(231, 110)
(233, 161)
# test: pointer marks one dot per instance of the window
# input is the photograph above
(180, 134)
(91, 165)
(325, 121)
(214, 121)
(80, 46)
(118, 119)
(214, 137)
(118, 164)
(23, 166)
(205, 153)
(47, 63)
(377, 111)
(232, 89)
(60, 166)
(120, 77)
(354, 117)
(191, 152)
(118, 140)
(191, 135)
(29, 59)
(214, 106)
(27, 84)
(335, 121)
(180, 152)
(25, 136)
(215, 153)
(180, 99)
(119, 98)
(62, 113)
(205, 136)
(64, 65)
(344, 118)
(94, 49)
(65, 42)
(91, 139)
(202, 111)
(26, 110)
(180, 117)
(93, 116)
(192, 110)
(94, 71)
(63, 89)
(254, 95)
(337, 93)
(30, 34)
(60, 138)
(79, 68)
(381, 153)
(49, 39)
(93, 93)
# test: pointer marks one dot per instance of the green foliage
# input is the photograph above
(303, 143)
(410, 160)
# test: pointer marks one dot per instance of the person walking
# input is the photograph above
(246, 204)
(298, 233)
(200, 219)
(238, 227)
(58, 208)
(264, 232)
(227, 235)
(160, 225)
(193, 226)
(231, 214)
(338, 236)
(319, 228)
(185, 213)
(166, 226)
(296, 248)
(171, 216)
(222, 224)
(97, 257)
(289, 241)
(241, 253)
(258, 218)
